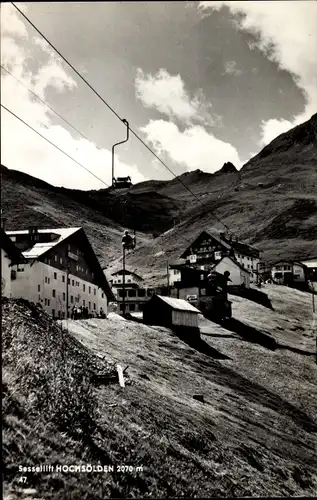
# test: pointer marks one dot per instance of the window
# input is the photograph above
(53, 313)
(48, 280)
(141, 292)
(60, 260)
(129, 281)
(63, 279)
(95, 291)
(39, 298)
(69, 281)
(45, 302)
(69, 248)
(53, 293)
(76, 299)
(89, 305)
(84, 303)
(132, 293)
(20, 269)
(45, 279)
(84, 288)
(48, 302)
(94, 306)
(102, 295)
(64, 296)
(55, 276)
(89, 289)
(73, 282)
(38, 288)
(77, 268)
(120, 293)
(55, 258)
(132, 307)
(72, 299)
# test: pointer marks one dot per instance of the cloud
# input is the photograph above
(21, 148)
(168, 95)
(193, 148)
(231, 69)
(286, 33)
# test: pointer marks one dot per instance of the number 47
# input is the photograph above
(22, 479)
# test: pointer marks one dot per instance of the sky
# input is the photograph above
(202, 83)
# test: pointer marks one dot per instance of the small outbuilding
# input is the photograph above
(170, 312)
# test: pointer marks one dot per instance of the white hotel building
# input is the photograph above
(61, 271)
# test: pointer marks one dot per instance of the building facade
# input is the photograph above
(288, 272)
(238, 274)
(61, 271)
(10, 256)
(311, 272)
(135, 295)
(210, 247)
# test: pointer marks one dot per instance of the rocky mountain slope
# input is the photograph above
(271, 202)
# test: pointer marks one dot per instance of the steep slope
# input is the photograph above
(27, 201)
(271, 202)
(254, 435)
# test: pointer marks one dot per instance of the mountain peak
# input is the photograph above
(228, 168)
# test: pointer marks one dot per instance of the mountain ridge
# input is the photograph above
(271, 202)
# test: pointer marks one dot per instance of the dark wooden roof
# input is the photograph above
(201, 237)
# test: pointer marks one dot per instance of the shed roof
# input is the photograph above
(179, 304)
(309, 263)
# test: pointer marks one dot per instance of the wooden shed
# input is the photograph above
(170, 312)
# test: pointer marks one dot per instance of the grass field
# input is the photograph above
(254, 435)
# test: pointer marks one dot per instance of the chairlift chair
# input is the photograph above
(120, 182)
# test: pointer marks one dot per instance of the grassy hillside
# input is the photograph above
(254, 435)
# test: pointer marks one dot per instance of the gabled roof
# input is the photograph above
(37, 250)
(178, 304)
(207, 233)
(291, 262)
(9, 247)
(234, 262)
(120, 272)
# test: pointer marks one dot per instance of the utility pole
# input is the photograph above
(67, 275)
(123, 280)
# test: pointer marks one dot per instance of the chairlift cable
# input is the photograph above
(117, 115)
